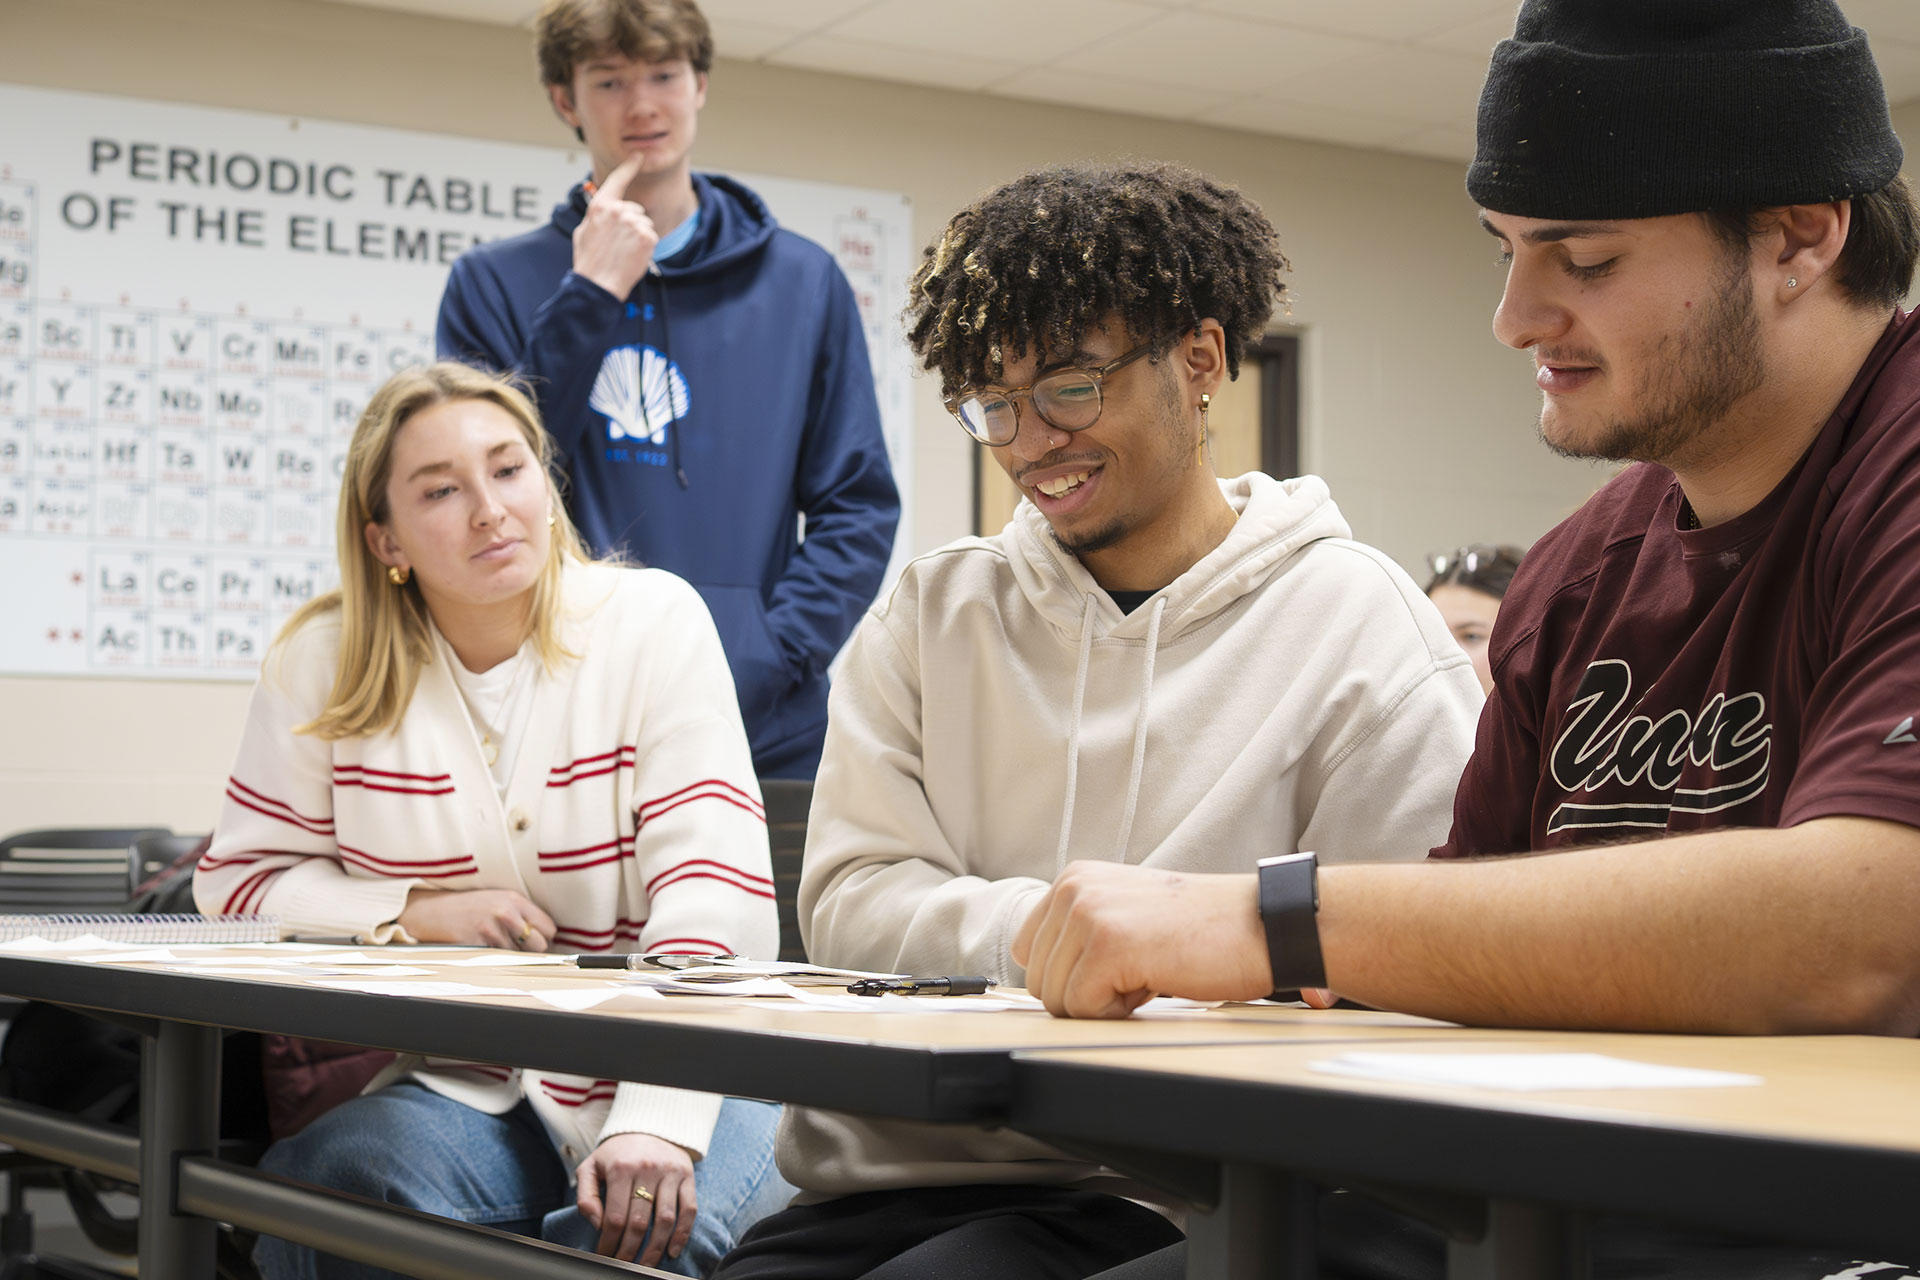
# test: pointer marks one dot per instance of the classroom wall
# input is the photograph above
(1419, 420)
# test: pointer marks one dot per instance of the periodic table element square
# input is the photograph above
(239, 585)
(126, 337)
(16, 388)
(299, 408)
(16, 330)
(16, 447)
(62, 507)
(63, 331)
(16, 212)
(63, 391)
(180, 640)
(182, 456)
(182, 583)
(300, 519)
(123, 454)
(239, 461)
(299, 351)
(117, 638)
(242, 346)
(63, 449)
(124, 394)
(345, 404)
(16, 503)
(291, 583)
(183, 341)
(17, 273)
(355, 357)
(238, 640)
(182, 513)
(122, 510)
(406, 349)
(182, 398)
(118, 579)
(240, 404)
(240, 517)
(298, 466)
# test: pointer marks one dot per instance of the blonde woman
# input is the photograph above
(484, 738)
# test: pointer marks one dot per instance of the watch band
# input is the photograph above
(1289, 907)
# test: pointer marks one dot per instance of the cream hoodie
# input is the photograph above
(998, 717)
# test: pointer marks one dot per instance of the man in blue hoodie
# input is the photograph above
(703, 371)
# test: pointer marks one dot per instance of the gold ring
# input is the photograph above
(641, 1193)
(526, 927)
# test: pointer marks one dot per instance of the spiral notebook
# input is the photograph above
(122, 927)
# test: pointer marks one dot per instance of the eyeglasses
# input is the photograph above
(1068, 399)
(1472, 558)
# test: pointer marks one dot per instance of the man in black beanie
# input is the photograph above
(1707, 681)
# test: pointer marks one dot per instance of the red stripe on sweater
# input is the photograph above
(719, 948)
(708, 862)
(388, 773)
(640, 819)
(399, 791)
(586, 941)
(245, 803)
(462, 866)
(644, 805)
(562, 868)
(245, 887)
(621, 757)
(616, 842)
(319, 826)
(211, 863)
(708, 875)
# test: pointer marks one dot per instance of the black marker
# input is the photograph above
(920, 986)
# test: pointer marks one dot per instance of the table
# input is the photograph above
(1827, 1149)
(936, 1067)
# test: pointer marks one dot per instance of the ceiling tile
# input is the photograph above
(1021, 31)
(799, 15)
(1105, 93)
(1314, 123)
(1422, 84)
(1206, 51)
(886, 62)
(1394, 20)
(749, 41)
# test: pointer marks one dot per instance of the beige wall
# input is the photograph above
(1422, 424)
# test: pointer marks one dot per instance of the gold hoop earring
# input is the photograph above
(398, 574)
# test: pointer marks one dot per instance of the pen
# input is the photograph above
(646, 960)
(920, 986)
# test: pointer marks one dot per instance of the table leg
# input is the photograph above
(1522, 1242)
(1261, 1230)
(179, 1115)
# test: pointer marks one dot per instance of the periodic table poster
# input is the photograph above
(196, 304)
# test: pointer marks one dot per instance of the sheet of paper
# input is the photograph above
(85, 942)
(401, 988)
(496, 960)
(1526, 1072)
(591, 998)
(146, 955)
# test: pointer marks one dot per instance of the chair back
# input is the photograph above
(66, 869)
(787, 801)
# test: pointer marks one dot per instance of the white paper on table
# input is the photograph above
(85, 942)
(228, 971)
(582, 999)
(1527, 1072)
(502, 961)
(146, 955)
(383, 988)
(893, 1002)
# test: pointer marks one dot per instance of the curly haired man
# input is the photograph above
(1149, 665)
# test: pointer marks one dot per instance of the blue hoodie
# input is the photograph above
(696, 420)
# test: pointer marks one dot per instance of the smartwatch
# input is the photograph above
(1289, 905)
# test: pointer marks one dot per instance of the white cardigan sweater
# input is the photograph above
(632, 818)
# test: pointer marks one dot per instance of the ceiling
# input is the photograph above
(1397, 75)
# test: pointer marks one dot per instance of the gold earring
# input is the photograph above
(1205, 402)
(398, 574)
(552, 519)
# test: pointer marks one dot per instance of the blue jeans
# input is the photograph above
(407, 1145)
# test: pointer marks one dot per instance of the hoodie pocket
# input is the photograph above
(761, 677)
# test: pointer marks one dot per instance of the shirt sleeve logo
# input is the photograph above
(1638, 762)
(1902, 732)
(640, 392)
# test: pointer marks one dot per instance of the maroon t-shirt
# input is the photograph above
(1760, 673)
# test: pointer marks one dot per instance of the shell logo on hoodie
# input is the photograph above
(640, 391)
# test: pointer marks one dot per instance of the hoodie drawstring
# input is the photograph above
(666, 351)
(1073, 734)
(1140, 727)
(1138, 764)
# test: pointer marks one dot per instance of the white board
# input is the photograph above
(195, 304)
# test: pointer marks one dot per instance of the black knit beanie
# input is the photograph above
(1600, 109)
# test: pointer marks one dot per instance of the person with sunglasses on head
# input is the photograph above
(1149, 665)
(483, 738)
(1467, 586)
